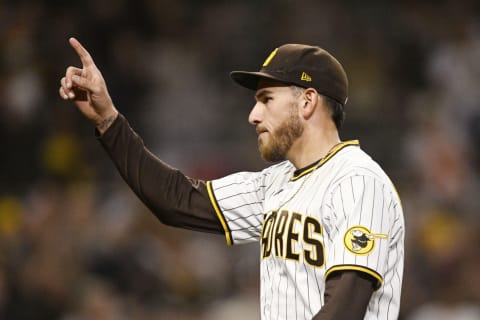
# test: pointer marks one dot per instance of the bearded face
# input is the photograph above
(274, 146)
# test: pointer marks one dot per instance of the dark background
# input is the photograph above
(76, 244)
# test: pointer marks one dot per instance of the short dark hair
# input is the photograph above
(336, 110)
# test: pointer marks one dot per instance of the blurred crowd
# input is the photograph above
(76, 244)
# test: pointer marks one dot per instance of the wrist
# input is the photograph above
(105, 122)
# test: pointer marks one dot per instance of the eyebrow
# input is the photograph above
(262, 93)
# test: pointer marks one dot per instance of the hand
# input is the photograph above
(87, 88)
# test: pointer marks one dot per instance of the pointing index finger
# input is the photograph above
(81, 51)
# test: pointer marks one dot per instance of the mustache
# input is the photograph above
(260, 129)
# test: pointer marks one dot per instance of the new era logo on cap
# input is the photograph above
(306, 77)
(301, 65)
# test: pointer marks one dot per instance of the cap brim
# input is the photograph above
(250, 80)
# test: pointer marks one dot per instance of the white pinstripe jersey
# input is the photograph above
(341, 213)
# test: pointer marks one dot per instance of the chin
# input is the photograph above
(270, 154)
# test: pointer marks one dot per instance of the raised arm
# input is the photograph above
(175, 199)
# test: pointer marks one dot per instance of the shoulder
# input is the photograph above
(354, 164)
(265, 176)
(354, 161)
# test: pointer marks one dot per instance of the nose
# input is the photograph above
(255, 116)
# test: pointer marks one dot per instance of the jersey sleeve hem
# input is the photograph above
(351, 267)
(213, 200)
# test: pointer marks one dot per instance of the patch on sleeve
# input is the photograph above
(359, 240)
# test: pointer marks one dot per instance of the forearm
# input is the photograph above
(347, 295)
(174, 198)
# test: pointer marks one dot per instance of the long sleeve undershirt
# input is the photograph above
(175, 199)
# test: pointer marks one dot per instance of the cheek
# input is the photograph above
(279, 120)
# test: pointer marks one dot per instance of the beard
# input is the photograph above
(282, 139)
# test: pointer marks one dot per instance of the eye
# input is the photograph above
(266, 99)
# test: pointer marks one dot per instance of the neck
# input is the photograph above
(312, 147)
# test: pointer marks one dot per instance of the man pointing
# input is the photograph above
(327, 218)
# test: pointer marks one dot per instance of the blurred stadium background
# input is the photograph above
(76, 244)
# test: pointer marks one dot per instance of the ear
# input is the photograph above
(310, 102)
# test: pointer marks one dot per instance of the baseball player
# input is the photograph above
(327, 218)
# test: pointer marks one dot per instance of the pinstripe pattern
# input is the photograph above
(311, 226)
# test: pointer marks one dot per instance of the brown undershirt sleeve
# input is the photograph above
(347, 294)
(175, 199)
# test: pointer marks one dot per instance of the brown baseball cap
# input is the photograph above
(302, 65)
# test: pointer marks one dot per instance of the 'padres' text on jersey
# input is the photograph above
(341, 213)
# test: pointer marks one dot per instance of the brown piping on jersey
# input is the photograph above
(361, 269)
(221, 218)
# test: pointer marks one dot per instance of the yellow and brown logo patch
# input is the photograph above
(359, 240)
